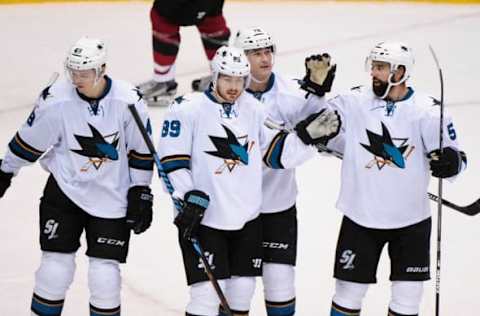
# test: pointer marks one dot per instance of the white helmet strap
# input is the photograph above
(391, 84)
(98, 74)
(258, 81)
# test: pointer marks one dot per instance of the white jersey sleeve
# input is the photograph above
(293, 103)
(283, 150)
(430, 129)
(175, 147)
(40, 131)
(140, 160)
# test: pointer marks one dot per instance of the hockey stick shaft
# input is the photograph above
(471, 210)
(440, 191)
(178, 205)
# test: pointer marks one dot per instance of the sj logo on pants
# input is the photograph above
(347, 258)
(50, 229)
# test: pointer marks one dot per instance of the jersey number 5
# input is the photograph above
(171, 128)
(451, 131)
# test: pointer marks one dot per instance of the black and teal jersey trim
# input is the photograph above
(175, 162)
(273, 157)
(140, 161)
(23, 150)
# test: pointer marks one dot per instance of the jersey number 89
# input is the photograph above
(171, 128)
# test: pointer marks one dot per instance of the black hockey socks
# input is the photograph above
(392, 313)
(43, 307)
(338, 310)
(95, 311)
(286, 308)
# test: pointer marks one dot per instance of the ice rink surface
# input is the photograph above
(34, 42)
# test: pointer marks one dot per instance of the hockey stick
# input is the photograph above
(440, 191)
(178, 205)
(471, 209)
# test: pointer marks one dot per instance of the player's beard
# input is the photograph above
(379, 89)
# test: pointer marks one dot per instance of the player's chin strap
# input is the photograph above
(259, 81)
(471, 209)
(391, 83)
(178, 205)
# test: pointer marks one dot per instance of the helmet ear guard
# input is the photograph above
(396, 54)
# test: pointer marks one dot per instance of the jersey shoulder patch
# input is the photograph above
(188, 104)
(435, 101)
(425, 100)
(49, 101)
(54, 94)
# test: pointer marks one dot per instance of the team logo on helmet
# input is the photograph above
(387, 151)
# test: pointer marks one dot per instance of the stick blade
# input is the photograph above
(472, 209)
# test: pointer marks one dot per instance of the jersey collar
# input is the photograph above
(228, 108)
(258, 94)
(94, 102)
(108, 86)
(407, 96)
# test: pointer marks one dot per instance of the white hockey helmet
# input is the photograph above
(230, 61)
(396, 54)
(87, 53)
(253, 38)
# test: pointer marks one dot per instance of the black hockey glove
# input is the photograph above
(319, 127)
(319, 74)
(448, 164)
(139, 208)
(5, 180)
(188, 220)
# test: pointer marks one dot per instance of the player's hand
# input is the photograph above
(188, 220)
(139, 208)
(5, 180)
(446, 164)
(319, 75)
(319, 127)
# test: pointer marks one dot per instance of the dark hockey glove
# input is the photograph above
(188, 220)
(139, 208)
(5, 180)
(447, 164)
(319, 127)
(319, 75)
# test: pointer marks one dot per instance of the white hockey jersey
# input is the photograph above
(385, 170)
(284, 103)
(218, 148)
(93, 148)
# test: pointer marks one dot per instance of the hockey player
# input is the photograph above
(211, 146)
(100, 172)
(167, 17)
(286, 105)
(391, 145)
